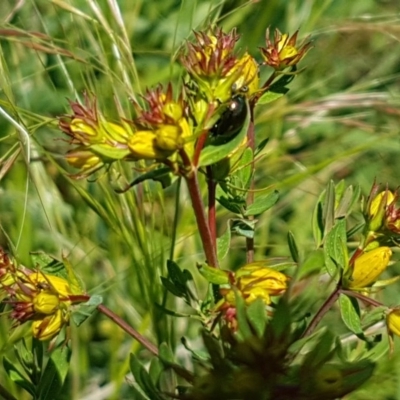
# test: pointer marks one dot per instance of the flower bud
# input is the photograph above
(367, 267)
(393, 321)
(283, 51)
(49, 326)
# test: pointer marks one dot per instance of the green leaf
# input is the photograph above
(235, 205)
(335, 248)
(349, 198)
(318, 223)
(166, 353)
(269, 96)
(223, 243)
(18, 377)
(173, 313)
(294, 252)
(176, 291)
(214, 275)
(350, 313)
(280, 86)
(155, 370)
(243, 171)
(53, 377)
(260, 147)
(214, 153)
(313, 263)
(83, 311)
(329, 208)
(243, 227)
(143, 379)
(257, 317)
(262, 203)
(162, 175)
(176, 275)
(244, 329)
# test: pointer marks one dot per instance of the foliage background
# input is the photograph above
(339, 121)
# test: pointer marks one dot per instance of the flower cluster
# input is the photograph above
(252, 281)
(165, 129)
(34, 296)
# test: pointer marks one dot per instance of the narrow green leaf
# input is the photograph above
(243, 171)
(262, 203)
(257, 316)
(214, 275)
(176, 291)
(143, 379)
(18, 377)
(162, 175)
(313, 263)
(268, 97)
(350, 313)
(244, 227)
(260, 147)
(317, 222)
(329, 207)
(235, 205)
(244, 329)
(175, 274)
(166, 353)
(349, 198)
(294, 252)
(223, 243)
(53, 377)
(335, 248)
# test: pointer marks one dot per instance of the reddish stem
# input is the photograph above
(321, 312)
(212, 217)
(128, 329)
(361, 297)
(202, 224)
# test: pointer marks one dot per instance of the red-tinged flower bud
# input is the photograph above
(367, 267)
(283, 51)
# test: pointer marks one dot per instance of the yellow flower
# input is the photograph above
(367, 267)
(254, 281)
(36, 296)
(393, 321)
(283, 51)
(49, 326)
(143, 146)
(248, 80)
(99, 140)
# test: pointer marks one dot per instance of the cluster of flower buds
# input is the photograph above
(218, 84)
(382, 217)
(34, 296)
(250, 282)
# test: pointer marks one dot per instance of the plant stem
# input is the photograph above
(250, 194)
(128, 329)
(361, 297)
(212, 217)
(202, 224)
(321, 312)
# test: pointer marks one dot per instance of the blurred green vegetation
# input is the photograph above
(339, 121)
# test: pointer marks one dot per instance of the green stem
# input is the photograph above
(321, 312)
(128, 329)
(202, 224)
